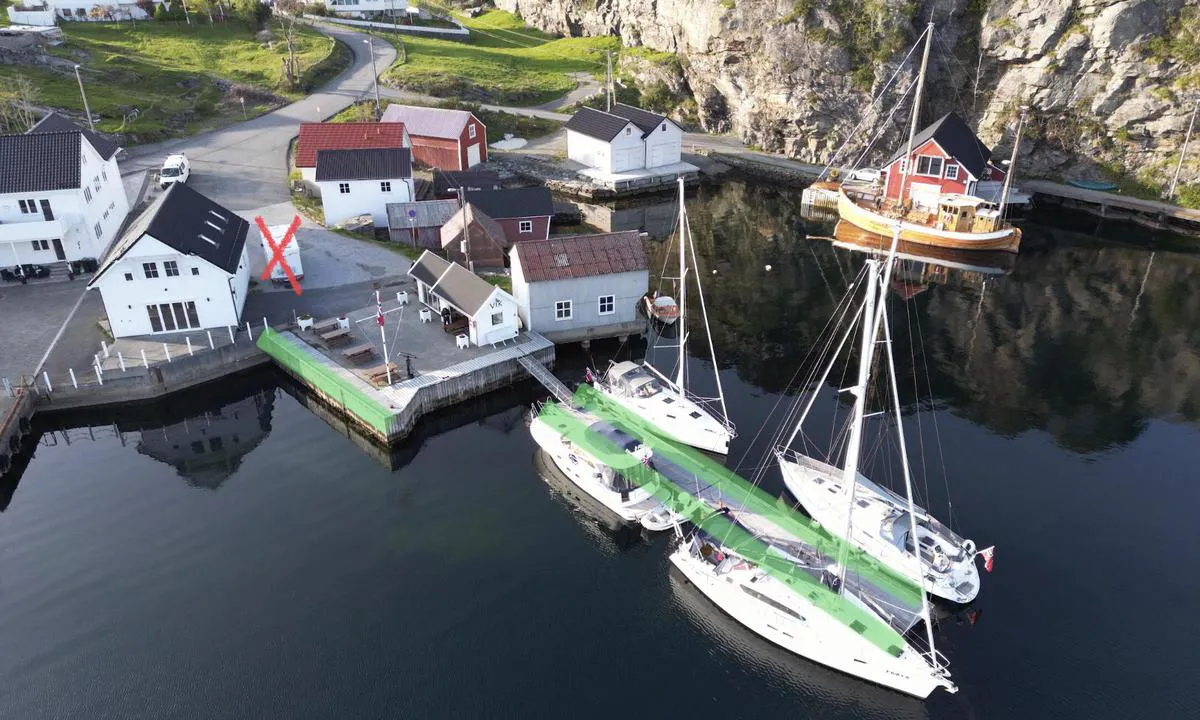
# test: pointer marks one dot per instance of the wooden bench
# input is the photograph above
(325, 326)
(378, 375)
(358, 351)
(334, 337)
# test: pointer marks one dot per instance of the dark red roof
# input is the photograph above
(577, 256)
(345, 136)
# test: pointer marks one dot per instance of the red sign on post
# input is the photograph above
(277, 251)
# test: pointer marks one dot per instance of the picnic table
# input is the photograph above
(326, 325)
(379, 374)
(357, 351)
(336, 336)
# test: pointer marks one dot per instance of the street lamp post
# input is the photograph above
(374, 74)
(83, 94)
(242, 100)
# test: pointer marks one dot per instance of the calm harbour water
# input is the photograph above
(232, 556)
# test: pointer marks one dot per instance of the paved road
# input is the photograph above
(245, 166)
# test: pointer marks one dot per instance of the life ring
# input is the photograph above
(969, 548)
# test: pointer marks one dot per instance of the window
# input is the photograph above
(192, 316)
(96, 183)
(952, 172)
(150, 269)
(87, 194)
(497, 319)
(903, 167)
(105, 214)
(344, 188)
(931, 166)
(526, 226)
(41, 245)
(104, 174)
(28, 207)
(471, 131)
(155, 320)
(664, 127)
(196, 271)
(608, 304)
(129, 276)
(171, 268)
(198, 447)
(385, 186)
(215, 444)
(562, 310)
(628, 131)
(97, 229)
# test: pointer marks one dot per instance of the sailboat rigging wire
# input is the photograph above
(916, 341)
(867, 113)
(937, 431)
(884, 125)
(704, 314)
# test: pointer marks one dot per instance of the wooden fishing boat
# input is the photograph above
(961, 222)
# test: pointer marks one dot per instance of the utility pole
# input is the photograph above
(374, 73)
(84, 95)
(608, 80)
(1182, 151)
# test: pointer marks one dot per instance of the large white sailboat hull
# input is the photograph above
(673, 413)
(814, 635)
(583, 470)
(818, 488)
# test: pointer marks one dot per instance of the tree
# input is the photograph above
(252, 12)
(146, 6)
(289, 12)
(18, 96)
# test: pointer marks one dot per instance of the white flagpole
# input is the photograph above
(383, 336)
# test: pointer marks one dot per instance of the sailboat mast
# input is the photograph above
(916, 114)
(854, 444)
(908, 490)
(1012, 162)
(680, 377)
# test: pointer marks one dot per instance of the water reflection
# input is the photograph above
(1083, 338)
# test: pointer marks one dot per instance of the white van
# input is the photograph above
(175, 169)
(291, 254)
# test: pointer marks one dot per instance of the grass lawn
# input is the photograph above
(505, 63)
(168, 72)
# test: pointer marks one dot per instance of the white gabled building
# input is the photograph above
(623, 139)
(182, 265)
(367, 8)
(363, 182)
(447, 286)
(61, 196)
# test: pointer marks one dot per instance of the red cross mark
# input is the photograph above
(277, 250)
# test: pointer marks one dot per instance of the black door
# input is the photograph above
(58, 250)
(47, 213)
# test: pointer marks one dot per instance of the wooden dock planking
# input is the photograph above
(1114, 200)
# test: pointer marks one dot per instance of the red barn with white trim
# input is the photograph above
(947, 158)
(441, 138)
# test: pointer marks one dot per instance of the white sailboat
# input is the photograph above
(602, 479)
(889, 527)
(664, 402)
(810, 605)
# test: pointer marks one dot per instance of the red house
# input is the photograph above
(345, 136)
(442, 139)
(524, 213)
(947, 158)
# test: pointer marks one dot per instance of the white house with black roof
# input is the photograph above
(447, 287)
(61, 196)
(181, 265)
(623, 139)
(363, 182)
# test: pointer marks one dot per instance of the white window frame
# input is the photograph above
(150, 270)
(611, 301)
(929, 173)
(344, 188)
(385, 186)
(497, 318)
(951, 171)
(525, 226)
(171, 268)
(471, 131)
(563, 310)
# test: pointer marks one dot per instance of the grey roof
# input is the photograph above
(647, 121)
(190, 223)
(39, 163)
(55, 123)
(449, 181)
(452, 282)
(364, 164)
(578, 256)
(428, 213)
(958, 140)
(428, 122)
(471, 214)
(514, 203)
(596, 124)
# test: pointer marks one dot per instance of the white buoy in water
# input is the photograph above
(768, 268)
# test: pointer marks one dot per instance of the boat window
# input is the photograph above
(927, 541)
(694, 414)
(773, 603)
(668, 401)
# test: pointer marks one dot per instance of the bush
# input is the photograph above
(1189, 196)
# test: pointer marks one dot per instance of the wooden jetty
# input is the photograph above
(1114, 206)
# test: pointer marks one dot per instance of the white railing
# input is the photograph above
(459, 32)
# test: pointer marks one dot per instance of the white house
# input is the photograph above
(623, 139)
(363, 182)
(581, 287)
(365, 8)
(182, 265)
(444, 285)
(61, 196)
(49, 12)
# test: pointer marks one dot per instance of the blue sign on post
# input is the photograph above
(412, 213)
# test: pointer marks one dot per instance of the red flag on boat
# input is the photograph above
(588, 375)
(989, 557)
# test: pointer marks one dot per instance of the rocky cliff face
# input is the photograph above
(1109, 82)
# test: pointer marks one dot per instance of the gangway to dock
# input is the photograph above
(543, 375)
